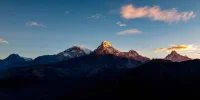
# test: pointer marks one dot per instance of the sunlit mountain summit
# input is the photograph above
(175, 57)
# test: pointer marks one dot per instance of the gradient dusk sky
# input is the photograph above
(32, 28)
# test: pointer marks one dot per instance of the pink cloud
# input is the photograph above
(155, 13)
(190, 48)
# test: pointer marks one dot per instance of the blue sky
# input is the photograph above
(38, 27)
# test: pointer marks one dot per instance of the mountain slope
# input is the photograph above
(75, 51)
(14, 59)
(84, 66)
(162, 73)
(134, 55)
(107, 48)
(156, 78)
(175, 57)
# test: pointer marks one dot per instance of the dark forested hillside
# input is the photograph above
(102, 76)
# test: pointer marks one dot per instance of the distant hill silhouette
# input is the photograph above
(103, 76)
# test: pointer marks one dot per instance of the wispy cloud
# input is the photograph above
(120, 24)
(67, 12)
(130, 31)
(3, 41)
(96, 16)
(159, 49)
(114, 11)
(35, 24)
(188, 48)
(155, 13)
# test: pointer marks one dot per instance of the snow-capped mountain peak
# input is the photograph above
(104, 45)
(175, 57)
(106, 48)
(76, 51)
(86, 50)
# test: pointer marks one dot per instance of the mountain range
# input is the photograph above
(108, 75)
(77, 51)
(81, 73)
(107, 48)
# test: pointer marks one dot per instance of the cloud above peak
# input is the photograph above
(155, 13)
(198, 53)
(129, 32)
(35, 24)
(178, 48)
(3, 41)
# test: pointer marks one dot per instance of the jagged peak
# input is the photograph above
(106, 48)
(13, 55)
(132, 51)
(81, 46)
(106, 44)
(175, 57)
(174, 52)
(75, 46)
(78, 49)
